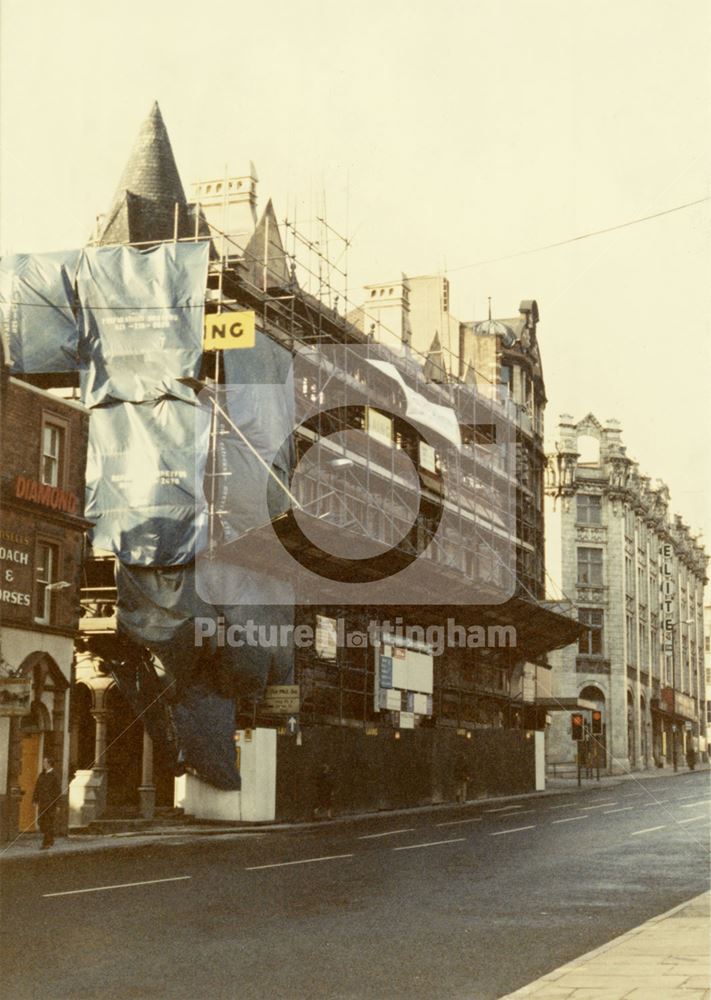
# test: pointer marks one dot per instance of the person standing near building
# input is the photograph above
(462, 778)
(46, 795)
(324, 792)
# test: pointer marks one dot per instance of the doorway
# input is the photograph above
(30, 766)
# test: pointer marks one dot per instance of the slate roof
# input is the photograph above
(143, 208)
(278, 275)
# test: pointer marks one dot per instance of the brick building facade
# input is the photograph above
(41, 552)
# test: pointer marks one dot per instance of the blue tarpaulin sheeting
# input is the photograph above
(36, 307)
(145, 467)
(205, 723)
(259, 399)
(142, 317)
(157, 607)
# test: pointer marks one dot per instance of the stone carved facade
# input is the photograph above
(636, 574)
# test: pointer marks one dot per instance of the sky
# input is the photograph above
(435, 137)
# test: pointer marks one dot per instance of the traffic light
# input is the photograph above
(597, 723)
(576, 723)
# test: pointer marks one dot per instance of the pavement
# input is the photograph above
(666, 958)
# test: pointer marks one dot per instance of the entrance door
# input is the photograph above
(29, 770)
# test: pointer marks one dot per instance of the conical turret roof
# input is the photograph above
(143, 208)
(151, 171)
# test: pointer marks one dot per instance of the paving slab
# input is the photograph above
(665, 958)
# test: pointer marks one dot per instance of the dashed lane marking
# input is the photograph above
(600, 805)
(432, 843)
(693, 805)
(120, 885)
(518, 829)
(385, 833)
(301, 861)
(502, 809)
(569, 819)
(622, 809)
(693, 819)
(459, 822)
(650, 829)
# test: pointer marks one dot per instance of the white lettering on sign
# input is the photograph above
(15, 555)
(15, 597)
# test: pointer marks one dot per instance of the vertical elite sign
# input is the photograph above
(668, 595)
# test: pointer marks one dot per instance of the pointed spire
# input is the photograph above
(265, 256)
(143, 208)
(433, 370)
(151, 171)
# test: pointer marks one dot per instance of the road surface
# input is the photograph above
(471, 902)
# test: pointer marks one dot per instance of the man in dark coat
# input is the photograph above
(47, 793)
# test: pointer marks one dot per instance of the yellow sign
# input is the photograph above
(226, 331)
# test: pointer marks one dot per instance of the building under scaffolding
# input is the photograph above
(383, 495)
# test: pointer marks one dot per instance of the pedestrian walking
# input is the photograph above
(462, 778)
(46, 796)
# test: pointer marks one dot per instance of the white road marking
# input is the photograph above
(622, 809)
(569, 819)
(692, 795)
(693, 819)
(500, 833)
(121, 885)
(302, 861)
(502, 809)
(386, 833)
(650, 829)
(432, 843)
(458, 822)
(693, 805)
(564, 805)
(657, 802)
(600, 805)
(632, 795)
